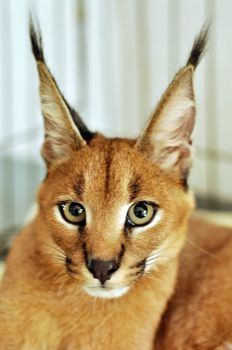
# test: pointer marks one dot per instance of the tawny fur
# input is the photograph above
(199, 315)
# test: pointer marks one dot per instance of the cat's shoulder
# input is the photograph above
(203, 291)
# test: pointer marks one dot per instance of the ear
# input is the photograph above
(64, 130)
(167, 138)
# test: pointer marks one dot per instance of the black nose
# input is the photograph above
(102, 270)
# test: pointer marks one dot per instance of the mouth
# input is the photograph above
(106, 292)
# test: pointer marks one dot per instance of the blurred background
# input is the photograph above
(112, 60)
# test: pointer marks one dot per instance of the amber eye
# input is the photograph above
(73, 213)
(141, 213)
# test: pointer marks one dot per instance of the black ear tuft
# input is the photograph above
(36, 41)
(199, 47)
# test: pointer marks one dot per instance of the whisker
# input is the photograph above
(58, 263)
(200, 248)
(55, 248)
(157, 253)
(161, 258)
(56, 256)
(155, 256)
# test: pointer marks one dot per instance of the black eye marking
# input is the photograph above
(134, 188)
(140, 267)
(68, 260)
(79, 185)
(141, 264)
(123, 248)
(108, 162)
(68, 264)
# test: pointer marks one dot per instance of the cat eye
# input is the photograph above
(73, 213)
(141, 213)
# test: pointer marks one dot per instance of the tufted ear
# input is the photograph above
(167, 138)
(64, 130)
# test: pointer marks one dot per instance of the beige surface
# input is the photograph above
(219, 218)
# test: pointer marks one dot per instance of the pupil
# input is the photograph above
(140, 211)
(75, 210)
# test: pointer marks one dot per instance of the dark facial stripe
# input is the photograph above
(108, 160)
(134, 188)
(79, 185)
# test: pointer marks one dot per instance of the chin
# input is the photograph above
(106, 293)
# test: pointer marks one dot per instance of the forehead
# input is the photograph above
(110, 169)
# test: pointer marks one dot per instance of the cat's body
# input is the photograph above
(97, 266)
(199, 315)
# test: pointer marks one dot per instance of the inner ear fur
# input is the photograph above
(167, 138)
(64, 129)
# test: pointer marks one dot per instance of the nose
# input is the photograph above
(101, 269)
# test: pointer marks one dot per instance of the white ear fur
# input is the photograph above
(167, 139)
(62, 135)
